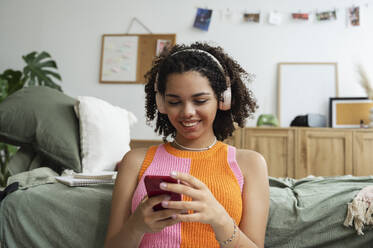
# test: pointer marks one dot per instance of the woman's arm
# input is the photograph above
(126, 229)
(120, 229)
(251, 232)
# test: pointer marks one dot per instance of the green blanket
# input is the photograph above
(310, 212)
(53, 214)
(304, 213)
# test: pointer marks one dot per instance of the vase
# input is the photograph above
(371, 118)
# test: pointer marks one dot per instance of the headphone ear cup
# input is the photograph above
(160, 103)
(226, 99)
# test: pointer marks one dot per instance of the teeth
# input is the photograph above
(190, 124)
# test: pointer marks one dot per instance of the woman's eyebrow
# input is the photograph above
(194, 95)
(172, 95)
(201, 94)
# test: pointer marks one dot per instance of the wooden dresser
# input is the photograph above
(299, 152)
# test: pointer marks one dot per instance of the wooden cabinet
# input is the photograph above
(299, 152)
(362, 153)
(323, 152)
(276, 146)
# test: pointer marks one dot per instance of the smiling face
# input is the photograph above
(191, 107)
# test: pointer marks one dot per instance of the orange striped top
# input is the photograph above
(216, 167)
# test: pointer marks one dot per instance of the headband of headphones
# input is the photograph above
(204, 52)
(224, 102)
(199, 51)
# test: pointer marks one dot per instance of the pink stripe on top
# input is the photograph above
(163, 163)
(234, 166)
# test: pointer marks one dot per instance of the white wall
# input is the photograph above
(70, 30)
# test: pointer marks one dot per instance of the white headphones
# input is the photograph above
(225, 98)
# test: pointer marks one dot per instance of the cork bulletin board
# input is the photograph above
(125, 58)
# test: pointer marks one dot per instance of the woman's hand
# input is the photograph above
(147, 220)
(206, 209)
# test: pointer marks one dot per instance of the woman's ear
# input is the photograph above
(159, 99)
(226, 97)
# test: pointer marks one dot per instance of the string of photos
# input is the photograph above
(352, 13)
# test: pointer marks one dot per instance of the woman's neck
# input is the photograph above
(195, 144)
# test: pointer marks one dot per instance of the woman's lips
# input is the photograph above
(190, 125)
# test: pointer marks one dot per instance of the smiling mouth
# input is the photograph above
(189, 123)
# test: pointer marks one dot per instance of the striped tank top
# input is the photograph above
(216, 167)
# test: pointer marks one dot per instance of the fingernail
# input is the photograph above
(164, 203)
(167, 198)
(173, 174)
(163, 185)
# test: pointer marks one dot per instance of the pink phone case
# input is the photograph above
(152, 188)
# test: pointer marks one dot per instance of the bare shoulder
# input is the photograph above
(128, 170)
(132, 161)
(251, 162)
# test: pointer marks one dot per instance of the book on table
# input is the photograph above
(85, 179)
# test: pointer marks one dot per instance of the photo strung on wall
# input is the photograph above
(251, 17)
(300, 16)
(353, 13)
(203, 18)
(353, 16)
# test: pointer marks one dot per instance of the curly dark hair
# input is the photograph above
(173, 61)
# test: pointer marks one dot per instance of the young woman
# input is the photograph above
(195, 93)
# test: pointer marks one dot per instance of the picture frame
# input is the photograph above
(347, 112)
(304, 88)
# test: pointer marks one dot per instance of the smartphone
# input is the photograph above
(152, 188)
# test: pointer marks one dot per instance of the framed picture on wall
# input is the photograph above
(125, 58)
(305, 88)
(349, 112)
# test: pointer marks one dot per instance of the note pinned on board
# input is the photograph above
(119, 52)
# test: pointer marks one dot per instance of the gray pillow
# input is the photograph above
(44, 119)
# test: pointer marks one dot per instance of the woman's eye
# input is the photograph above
(200, 101)
(173, 103)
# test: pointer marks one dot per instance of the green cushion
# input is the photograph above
(26, 159)
(44, 119)
(21, 160)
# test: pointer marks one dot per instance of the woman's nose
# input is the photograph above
(188, 110)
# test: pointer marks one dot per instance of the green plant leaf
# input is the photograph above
(7, 151)
(3, 89)
(12, 149)
(13, 82)
(35, 71)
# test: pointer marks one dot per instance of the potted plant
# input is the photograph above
(40, 70)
